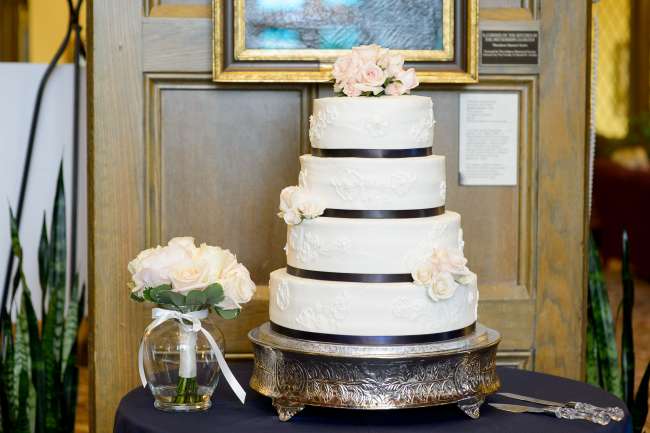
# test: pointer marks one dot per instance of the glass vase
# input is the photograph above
(180, 366)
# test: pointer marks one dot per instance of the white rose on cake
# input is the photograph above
(296, 204)
(442, 273)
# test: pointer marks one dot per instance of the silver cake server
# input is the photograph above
(558, 411)
(615, 413)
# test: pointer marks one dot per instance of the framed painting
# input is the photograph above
(298, 40)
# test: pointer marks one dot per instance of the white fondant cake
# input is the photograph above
(369, 246)
(396, 122)
(390, 272)
(366, 308)
(375, 183)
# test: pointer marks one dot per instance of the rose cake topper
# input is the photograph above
(370, 70)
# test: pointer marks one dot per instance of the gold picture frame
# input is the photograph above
(233, 61)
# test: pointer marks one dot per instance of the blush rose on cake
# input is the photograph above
(370, 70)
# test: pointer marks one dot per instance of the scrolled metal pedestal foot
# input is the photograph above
(297, 373)
(472, 406)
(286, 409)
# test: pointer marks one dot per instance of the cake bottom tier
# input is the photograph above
(366, 309)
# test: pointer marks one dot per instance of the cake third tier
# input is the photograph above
(369, 246)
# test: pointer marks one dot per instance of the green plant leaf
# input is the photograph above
(43, 260)
(22, 424)
(227, 314)
(196, 298)
(627, 338)
(214, 293)
(640, 407)
(603, 326)
(71, 325)
(16, 249)
(53, 322)
(593, 373)
(38, 367)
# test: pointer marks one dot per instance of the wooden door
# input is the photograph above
(172, 153)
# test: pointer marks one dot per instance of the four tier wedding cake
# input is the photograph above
(373, 257)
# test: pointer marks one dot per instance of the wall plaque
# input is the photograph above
(515, 47)
(489, 138)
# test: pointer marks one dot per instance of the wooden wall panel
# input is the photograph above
(116, 211)
(561, 287)
(221, 181)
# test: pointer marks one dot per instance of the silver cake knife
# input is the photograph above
(558, 411)
(615, 413)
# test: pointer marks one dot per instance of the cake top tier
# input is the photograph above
(384, 122)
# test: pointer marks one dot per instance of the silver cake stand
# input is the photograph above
(296, 373)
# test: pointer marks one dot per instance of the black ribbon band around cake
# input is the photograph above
(384, 214)
(374, 339)
(371, 153)
(348, 277)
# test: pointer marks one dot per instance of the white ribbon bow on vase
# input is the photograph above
(161, 315)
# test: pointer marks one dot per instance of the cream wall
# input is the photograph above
(48, 22)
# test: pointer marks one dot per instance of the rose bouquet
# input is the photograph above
(370, 70)
(185, 277)
(186, 281)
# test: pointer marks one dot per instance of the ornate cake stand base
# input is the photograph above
(296, 373)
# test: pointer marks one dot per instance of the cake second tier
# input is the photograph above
(370, 246)
(375, 183)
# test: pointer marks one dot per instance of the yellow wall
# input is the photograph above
(48, 22)
(613, 88)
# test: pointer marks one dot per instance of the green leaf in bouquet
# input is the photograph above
(136, 297)
(196, 298)
(227, 314)
(152, 294)
(171, 298)
(640, 407)
(214, 294)
(627, 338)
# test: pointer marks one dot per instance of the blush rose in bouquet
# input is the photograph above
(186, 281)
(370, 70)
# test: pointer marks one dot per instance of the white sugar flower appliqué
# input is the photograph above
(296, 204)
(443, 272)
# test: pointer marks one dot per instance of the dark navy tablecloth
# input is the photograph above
(136, 413)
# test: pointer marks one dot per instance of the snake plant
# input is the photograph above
(603, 366)
(38, 371)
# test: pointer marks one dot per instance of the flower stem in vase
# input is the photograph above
(187, 387)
